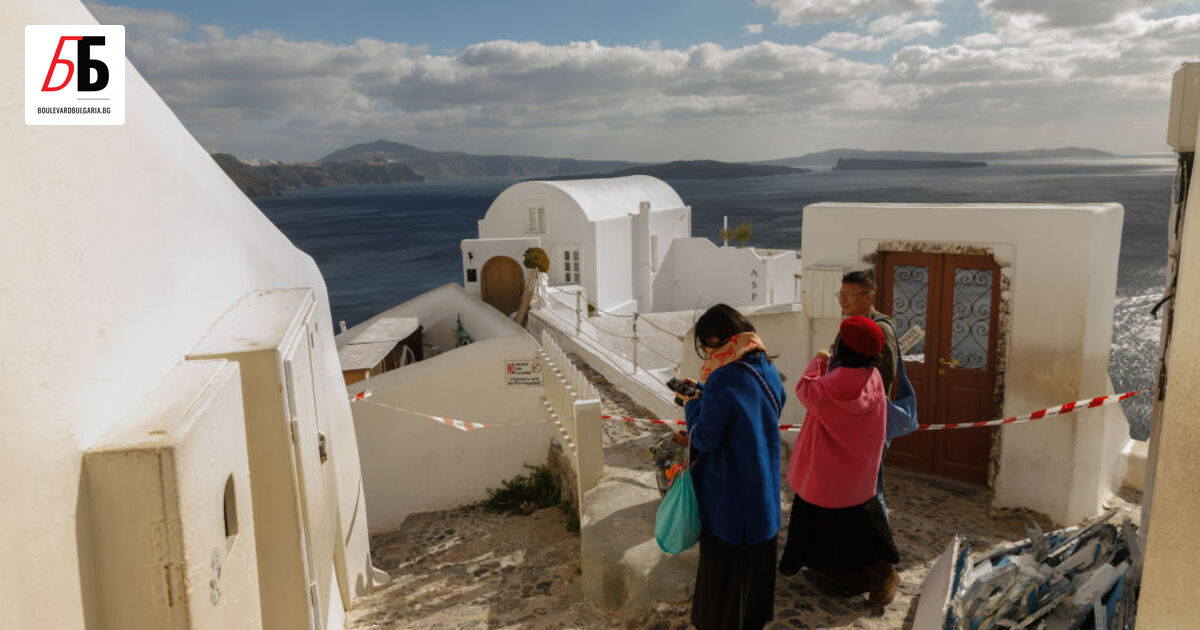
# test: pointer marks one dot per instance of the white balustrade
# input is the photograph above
(574, 406)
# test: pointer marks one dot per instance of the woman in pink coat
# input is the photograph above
(837, 526)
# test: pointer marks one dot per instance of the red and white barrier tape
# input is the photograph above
(461, 425)
(1049, 412)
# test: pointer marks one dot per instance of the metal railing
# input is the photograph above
(573, 406)
(584, 327)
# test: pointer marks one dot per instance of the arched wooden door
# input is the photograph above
(502, 283)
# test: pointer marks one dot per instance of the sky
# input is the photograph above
(657, 80)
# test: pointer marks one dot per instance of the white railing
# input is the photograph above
(584, 328)
(573, 405)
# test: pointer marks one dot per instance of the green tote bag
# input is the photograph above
(677, 523)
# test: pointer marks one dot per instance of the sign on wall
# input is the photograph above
(523, 372)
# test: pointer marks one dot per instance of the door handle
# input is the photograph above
(950, 362)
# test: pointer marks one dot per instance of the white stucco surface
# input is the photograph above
(697, 274)
(1168, 597)
(412, 463)
(1061, 264)
(121, 246)
(618, 251)
(438, 311)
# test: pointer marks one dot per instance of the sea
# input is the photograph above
(378, 246)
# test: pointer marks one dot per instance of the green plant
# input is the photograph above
(523, 494)
(571, 515)
(536, 258)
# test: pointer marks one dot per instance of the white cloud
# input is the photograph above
(841, 40)
(888, 23)
(1072, 13)
(753, 29)
(1020, 84)
(914, 30)
(797, 12)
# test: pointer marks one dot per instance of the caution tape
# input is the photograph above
(1049, 412)
(461, 425)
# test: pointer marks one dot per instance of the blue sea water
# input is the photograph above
(379, 246)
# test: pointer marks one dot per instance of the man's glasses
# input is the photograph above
(842, 295)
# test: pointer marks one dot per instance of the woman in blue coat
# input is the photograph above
(733, 427)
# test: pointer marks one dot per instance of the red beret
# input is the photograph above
(862, 335)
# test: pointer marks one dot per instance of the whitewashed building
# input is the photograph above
(1016, 301)
(697, 274)
(178, 448)
(606, 236)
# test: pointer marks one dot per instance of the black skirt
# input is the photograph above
(735, 584)
(837, 539)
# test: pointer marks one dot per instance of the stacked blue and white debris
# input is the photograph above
(1068, 579)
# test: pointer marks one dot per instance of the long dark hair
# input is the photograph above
(721, 322)
(845, 357)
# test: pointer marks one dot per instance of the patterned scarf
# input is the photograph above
(734, 349)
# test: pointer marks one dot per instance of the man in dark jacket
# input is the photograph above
(857, 298)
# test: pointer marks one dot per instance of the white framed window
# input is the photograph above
(537, 220)
(570, 266)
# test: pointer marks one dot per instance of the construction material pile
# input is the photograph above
(1063, 580)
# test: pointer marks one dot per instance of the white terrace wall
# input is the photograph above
(697, 274)
(121, 246)
(412, 463)
(438, 311)
(1061, 263)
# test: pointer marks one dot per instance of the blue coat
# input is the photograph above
(736, 473)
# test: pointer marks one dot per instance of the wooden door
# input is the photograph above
(955, 299)
(502, 283)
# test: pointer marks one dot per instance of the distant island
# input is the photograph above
(386, 162)
(258, 179)
(448, 165)
(696, 169)
(822, 158)
(860, 164)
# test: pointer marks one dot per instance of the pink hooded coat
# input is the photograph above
(836, 458)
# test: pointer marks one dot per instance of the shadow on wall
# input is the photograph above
(88, 580)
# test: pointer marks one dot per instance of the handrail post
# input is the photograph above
(635, 342)
(578, 316)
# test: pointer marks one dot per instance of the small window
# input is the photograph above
(537, 220)
(471, 275)
(571, 266)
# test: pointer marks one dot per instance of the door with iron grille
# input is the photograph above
(954, 299)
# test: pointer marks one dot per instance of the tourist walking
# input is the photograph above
(733, 427)
(838, 527)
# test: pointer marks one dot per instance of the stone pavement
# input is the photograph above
(465, 568)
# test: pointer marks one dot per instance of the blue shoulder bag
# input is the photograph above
(901, 412)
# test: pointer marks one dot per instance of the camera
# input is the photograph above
(680, 387)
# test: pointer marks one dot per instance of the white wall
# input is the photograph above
(697, 273)
(412, 464)
(438, 311)
(566, 223)
(1168, 596)
(605, 237)
(609, 276)
(1062, 263)
(121, 246)
(477, 252)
